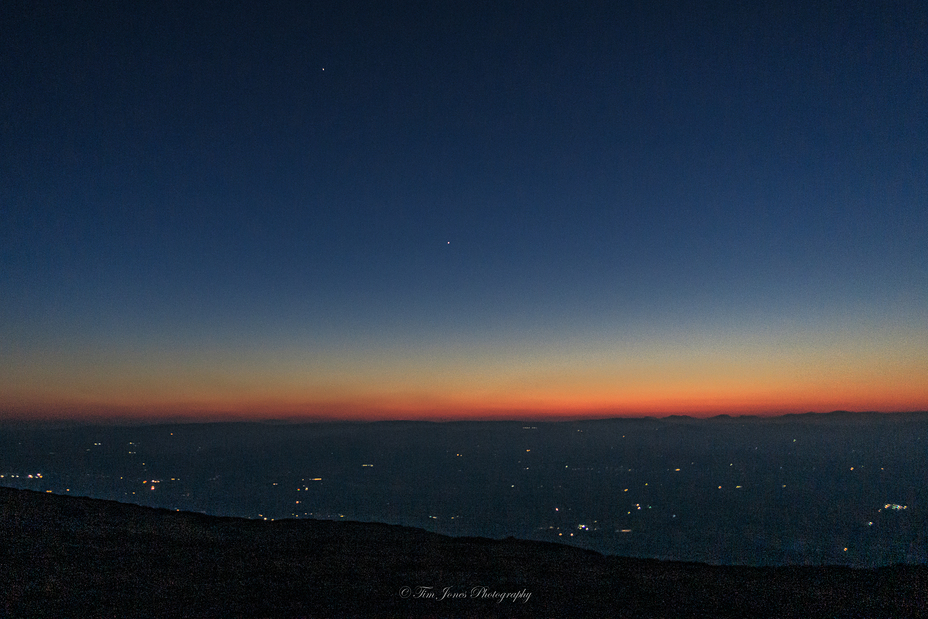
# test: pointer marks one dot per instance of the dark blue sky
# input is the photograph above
(502, 182)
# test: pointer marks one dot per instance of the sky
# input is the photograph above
(445, 210)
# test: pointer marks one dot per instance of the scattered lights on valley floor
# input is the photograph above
(639, 493)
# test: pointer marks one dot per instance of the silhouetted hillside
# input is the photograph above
(75, 557)
(793, 490)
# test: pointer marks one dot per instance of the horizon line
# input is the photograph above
(225, 418)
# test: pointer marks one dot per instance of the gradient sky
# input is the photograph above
(442, 209)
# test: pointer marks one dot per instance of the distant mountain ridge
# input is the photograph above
(68, 556)
(861, 416)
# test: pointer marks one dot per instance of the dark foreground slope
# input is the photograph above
(75, 557)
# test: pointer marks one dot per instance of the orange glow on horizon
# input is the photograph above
(446, 409)
(756, 375)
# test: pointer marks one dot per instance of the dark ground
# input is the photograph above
(67, 556)
(749, 491)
